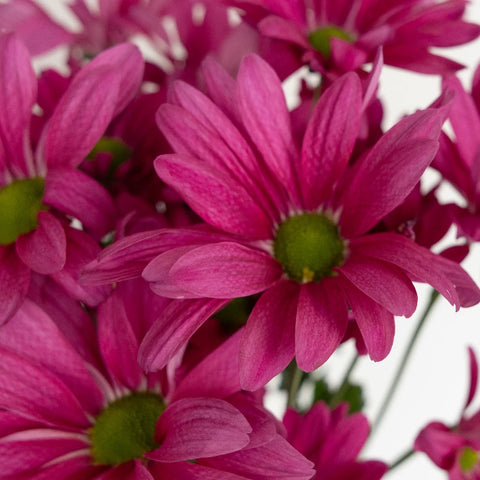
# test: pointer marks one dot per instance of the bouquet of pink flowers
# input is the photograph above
(173, 236)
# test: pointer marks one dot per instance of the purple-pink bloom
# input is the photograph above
(71, 414)
(292, 224)
(41, 189)
(332, 440)
(336, 36)
(455, 449)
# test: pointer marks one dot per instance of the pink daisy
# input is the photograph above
(342, 35)
(291, 224)
(66, 417)
(333, 440)
(455, 449)
(41, 189)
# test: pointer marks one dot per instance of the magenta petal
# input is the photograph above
(383, 178)
(44, 250)
(330, 138)
(18, 92)
(14, 282)
(225, 270)
(282, 29)
(81, 117)
(178, 322)
(473, 377)
(376, 324)
(385, 283)
(118, 344)
(268, 342)
(322, 318)
(194, 428)
(76, 194)
(264, 113)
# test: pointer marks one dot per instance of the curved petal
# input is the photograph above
(330, 138)
(45, 249)
(217, 197)
(321, 323)
(75, 193)
(14, 282)
(225, 270)
(268, 342)
(172, 330)
(385, 283)
(194, 428)
(376, 324)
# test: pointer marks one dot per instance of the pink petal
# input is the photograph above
(81, 117)
(383, 178)
(179, 321)
(264, 113)
(282, 29)
(376, 324)
(14, 282)
(118, 344)
(76, 194)
(194, 428)
(346, 56)
(225, 270)
(473, 377)
(18, 92)
(382, 282)
(219, 199)
(44, 250)
(330, 138)
(322, 317)
(216, 375)
(268, 342)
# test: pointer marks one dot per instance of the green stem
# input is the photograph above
(344, 385)
(403, 364)
(294, 387)
(401, 459)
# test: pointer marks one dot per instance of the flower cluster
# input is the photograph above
(173, 236)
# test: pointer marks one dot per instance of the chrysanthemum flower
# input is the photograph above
(65, 417)
(40, 186)
(333, 440)
(339, 35)
(455, 449)
(293, 225)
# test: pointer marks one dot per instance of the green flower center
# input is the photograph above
(119, 151)
(308, 247)
(468, 459)
(126, 429)
(20, 203)
(320, 39)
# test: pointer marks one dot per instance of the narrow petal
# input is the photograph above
(14, 282)
(376, 324)
(322, 318)
(383, 178)
(194, 428)
(118, 344)
(81, 117)
(76, 194)
(382, 282)
(225, 270)
(179, 321)
(264, 113)
(18, 92)
(44, 250)
(268, 342)
(217, 198)
(330, 138)
(473, 377)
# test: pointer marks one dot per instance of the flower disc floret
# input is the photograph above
(468, 459)
(308, 246)
(20, 202)
(126, 429)
(320, 39)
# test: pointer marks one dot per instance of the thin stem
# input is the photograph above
(403, 364)
(401, 459)
(294, 387)
(344, 385)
